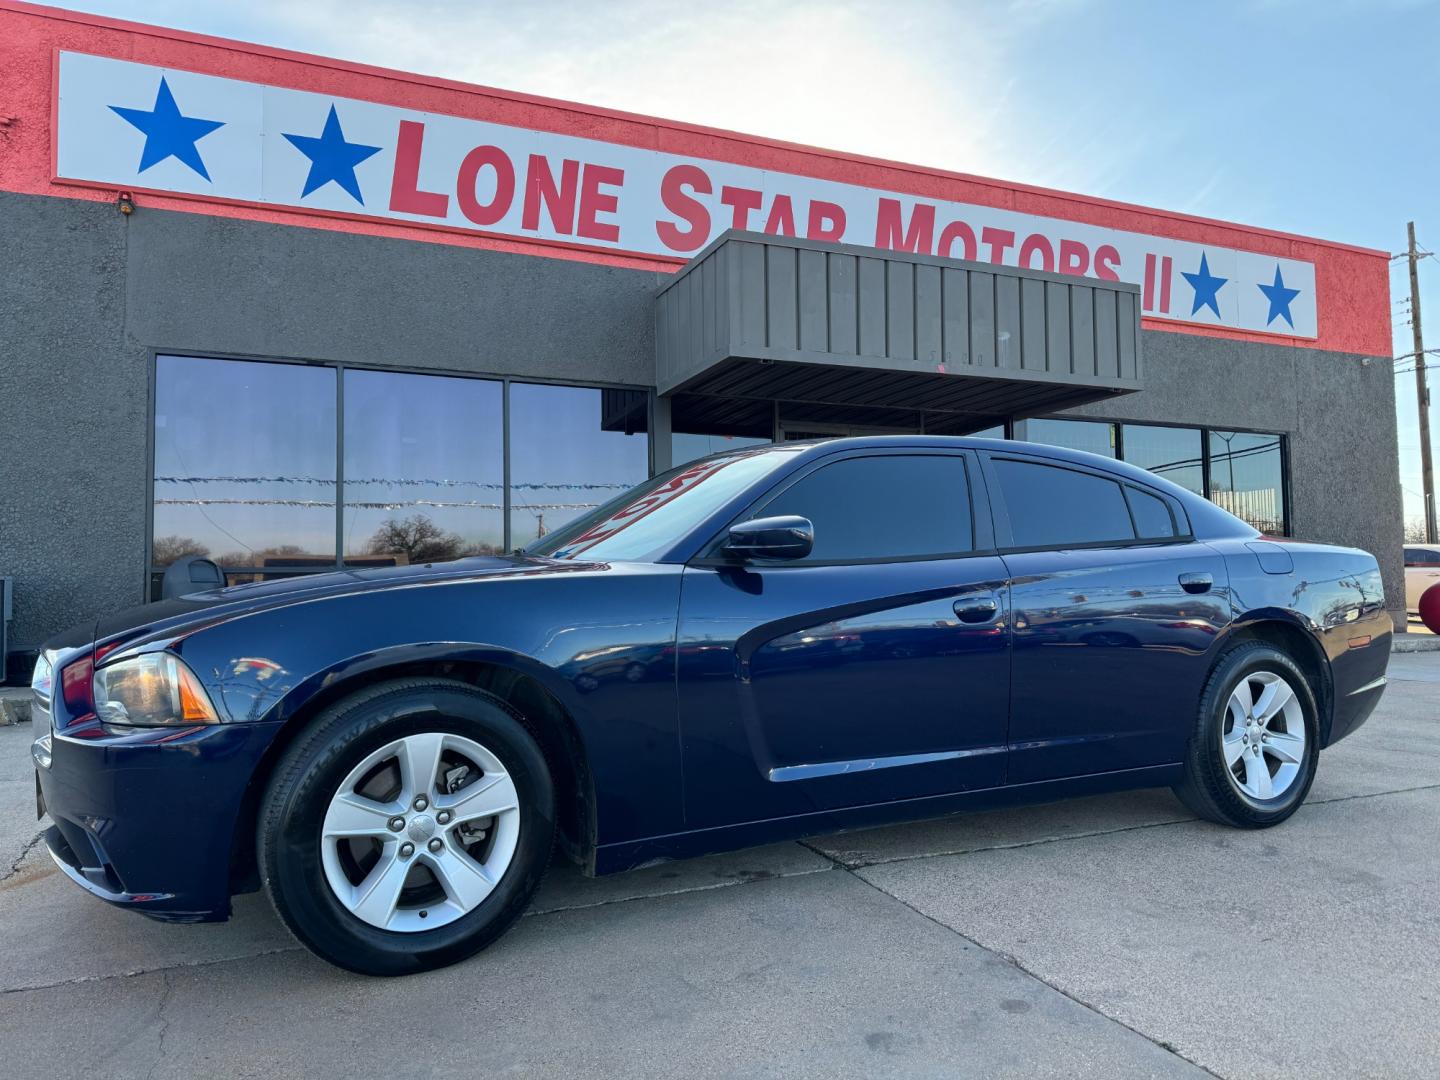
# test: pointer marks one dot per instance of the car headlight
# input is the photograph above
(156, 688)
(42, 679)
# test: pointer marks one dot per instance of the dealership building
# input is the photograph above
(294, 314)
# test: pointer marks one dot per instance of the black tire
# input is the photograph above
(1208, 788)
(311, 770)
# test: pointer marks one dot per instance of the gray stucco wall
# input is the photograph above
(74, 396)
(87, 295)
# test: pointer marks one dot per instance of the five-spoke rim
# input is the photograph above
(1263, 737)
(420, 832)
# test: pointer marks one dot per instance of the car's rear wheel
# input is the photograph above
(407, 827)
(1252, 756)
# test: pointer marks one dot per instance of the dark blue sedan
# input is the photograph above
(760, 645)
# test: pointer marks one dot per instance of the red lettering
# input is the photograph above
(1106, 259)
(540, 187)
(1074, 257)
(1165, 267)
(487, 213)
(1000, 241)
(781, 221)
(405, 194)
(1033, 243)
(1147, 303)
(827, 221)
(593, 201)
(891, 231)
(957, 230)
(690, 210)
(741, 202)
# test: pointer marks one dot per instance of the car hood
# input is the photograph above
(203, 608)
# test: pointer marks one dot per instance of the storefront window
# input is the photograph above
(996, 431)
(244, 465)
(1246, 471)
(1171, 452)
(1247, 478)
(569, 453)
(1088, 435)
(246, 470)
(424, 468)
(686, 447)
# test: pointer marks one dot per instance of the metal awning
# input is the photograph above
(847, 334)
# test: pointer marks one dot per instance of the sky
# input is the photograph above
(1310, 117)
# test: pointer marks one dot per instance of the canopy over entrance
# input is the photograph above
(760, 333)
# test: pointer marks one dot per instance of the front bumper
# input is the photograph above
(146, 818)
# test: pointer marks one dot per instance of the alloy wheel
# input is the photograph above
(1263, 737)
(420, 832)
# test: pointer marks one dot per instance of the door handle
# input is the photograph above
(1196, 582)
(976, 609)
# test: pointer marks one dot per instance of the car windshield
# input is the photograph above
(649, 518)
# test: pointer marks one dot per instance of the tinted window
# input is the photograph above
(570, 451)
(1051, 506)
(424, 468)
(685, 447)
(1151, 514)
(1173, 453)
(1092, 436)
(244, 465)
(1421, 557)
(1246, 478)
(882, 507)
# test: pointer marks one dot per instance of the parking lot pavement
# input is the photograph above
(1109, 936)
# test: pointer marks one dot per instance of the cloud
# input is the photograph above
(932, 83)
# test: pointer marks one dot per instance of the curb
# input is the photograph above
(1408, 643)
(14, 707)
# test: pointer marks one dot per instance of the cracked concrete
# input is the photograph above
(1112, 936)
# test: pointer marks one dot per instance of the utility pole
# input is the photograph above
(1422, 392)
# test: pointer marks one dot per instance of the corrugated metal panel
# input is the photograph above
(770, 299)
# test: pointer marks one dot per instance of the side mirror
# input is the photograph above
(788, 537)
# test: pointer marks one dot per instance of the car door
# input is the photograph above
(875, 669)
(1114, 609)
(1422, 570)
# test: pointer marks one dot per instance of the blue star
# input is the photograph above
(332, 158)
(1206, 286)
(167, 133)
(1279, 297)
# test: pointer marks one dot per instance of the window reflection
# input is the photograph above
(995, 431)
(1246, 478)
(424, 468)
(1173, 453)
(569, 453)
(686, 447)
(1088, 435)
(244, 464)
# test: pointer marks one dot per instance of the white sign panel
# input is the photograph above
(135, 126)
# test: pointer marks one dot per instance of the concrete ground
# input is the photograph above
(1109, 937)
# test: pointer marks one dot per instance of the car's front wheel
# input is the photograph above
(1253, 752)
(407, 827)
